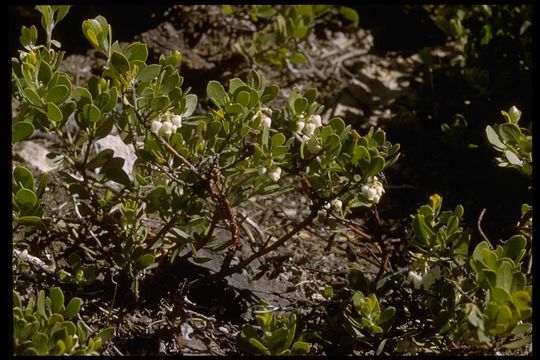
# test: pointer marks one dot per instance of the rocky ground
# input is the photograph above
(356, 81)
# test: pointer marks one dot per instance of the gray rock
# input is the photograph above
(33, 154)
(126, 152)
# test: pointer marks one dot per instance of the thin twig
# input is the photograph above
(479, 225)
(248, 220)
(229, 271)
(33, 260)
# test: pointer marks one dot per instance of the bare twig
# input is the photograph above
(354, 226)
(248, 220)
(479, 225)
(229, 271)
(35, 261)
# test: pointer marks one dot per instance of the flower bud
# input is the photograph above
(371, 194)
(299, 126)
(156, 125)
(515, 114)
(309, 129)
(177, 120)
(261, 170)
(167, 125)
(431, 276)
(166, 129)
(275, 174)
(416, 279)
(337, 205)
(316, 120)
(266, 121)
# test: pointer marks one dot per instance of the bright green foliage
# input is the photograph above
(189, 168)
(364, 317)
(282, 30)
(482, 299)
(45, 326)
(437, 233)
(26, 197)
(513, 141)
(79, 273)
(275, 335)
(507, 308)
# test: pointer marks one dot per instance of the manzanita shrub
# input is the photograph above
(282, 31)
(481, 299)
(513, 141)
(274, 335)
(195, 169)
(46, 326)
(192, 171)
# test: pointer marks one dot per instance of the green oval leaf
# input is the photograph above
(106, 334)
(92, 113)
(26, 198)
(514, 245)
(21, 130)
(32, 97)
(57, 300)
(159, 103)
(375, 166)
(41, 303)
(57, 94)
(44, 73)
(29, 220)
(119, 62)
(349, 14)
(40, 343)
(300, 105)
(493, 138)
(216, 93)
(137, 51)
(298, 58)
(513, 158)
(189, 103)
(72, 308)
(149, 73)
(23, 177)
(509, 133)
(146, 260)
(53, 112)
(278, 139)
(499, 295)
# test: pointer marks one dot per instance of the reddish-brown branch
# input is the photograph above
(215, 192)
(229, 271)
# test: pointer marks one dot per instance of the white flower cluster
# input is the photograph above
(306, 126)
(167, 125)
(427, 279)
(335, 204)
(373, 190)
(273, 174)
